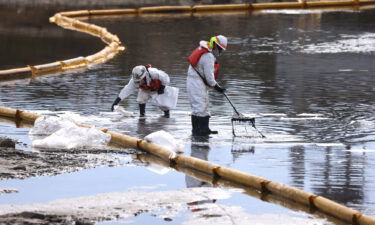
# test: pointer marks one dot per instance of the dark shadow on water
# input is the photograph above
(199, 149)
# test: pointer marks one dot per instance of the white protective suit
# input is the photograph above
(196, 89)
(145, 95)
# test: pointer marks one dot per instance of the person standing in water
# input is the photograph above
(201, 76)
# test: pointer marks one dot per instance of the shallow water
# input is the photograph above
(307, 77)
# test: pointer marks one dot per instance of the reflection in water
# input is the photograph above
(200, 150)
(343, 178)
(297, 157)
(240, 146)
(146, 126)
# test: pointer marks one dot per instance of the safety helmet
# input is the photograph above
(220, 41)
(138, 73)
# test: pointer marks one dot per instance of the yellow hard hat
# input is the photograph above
(220, 40)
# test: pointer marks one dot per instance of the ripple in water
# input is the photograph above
(364, 43)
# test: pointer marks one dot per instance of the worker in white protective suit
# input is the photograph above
(148, 81)
(201, 76)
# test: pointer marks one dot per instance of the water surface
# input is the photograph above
(307, 77)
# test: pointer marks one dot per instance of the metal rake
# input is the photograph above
(242, 119)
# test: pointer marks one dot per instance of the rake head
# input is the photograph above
(244, 120)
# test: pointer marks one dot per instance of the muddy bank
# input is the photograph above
(22, 164)
(7, 142)
(40, 218)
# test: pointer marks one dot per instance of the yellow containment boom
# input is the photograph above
(70, 20)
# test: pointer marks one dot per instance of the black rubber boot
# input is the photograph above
(195, 125)
(166, 114)
(142, 110)
(207, 126)
(202, 126)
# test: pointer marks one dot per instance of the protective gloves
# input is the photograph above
(161, 90)
(219, 89)
(115, 103)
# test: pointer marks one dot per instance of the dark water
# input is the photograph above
(308, 78)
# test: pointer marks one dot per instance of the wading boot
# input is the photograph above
(166, 114)
(206, 124)
(142, 110)
(195, 126)
(202, 126)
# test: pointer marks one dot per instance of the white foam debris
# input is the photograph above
(363, 43)
(166, 140)
(158, 168)
(65, 134)
(47, 125)
(121, 110)
(73, 116)
(74, 138)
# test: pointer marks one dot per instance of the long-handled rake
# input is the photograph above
(242, 119)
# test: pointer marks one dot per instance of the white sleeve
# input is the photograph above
(161, 75)
(208, 64)
(128, 89)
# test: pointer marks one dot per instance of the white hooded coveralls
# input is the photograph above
(145, 95)
(196, 88)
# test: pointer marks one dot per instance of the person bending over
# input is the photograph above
(148, 81)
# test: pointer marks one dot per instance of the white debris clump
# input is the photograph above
(47, 125)
(123, 112)
(166, 140)
(61, 133)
